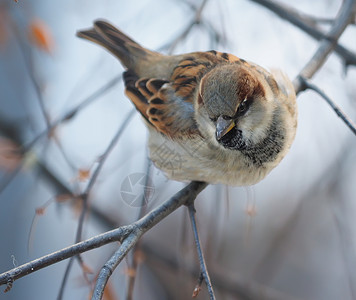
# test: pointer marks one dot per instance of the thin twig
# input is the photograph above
(203, 269)
(50, 259)
(86, 193)
(235, 285)
(189, 193)
(309, 85)
(195, 21)
(298, 19)
(119, 234)
(135, 250)
(66, 117)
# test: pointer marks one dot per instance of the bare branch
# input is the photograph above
(307, 25)
(344, 17)
(203, 269)
(189, 193)
(50, 259)
(66, 117)
(126, 234)
(86, 193)
(307, 84)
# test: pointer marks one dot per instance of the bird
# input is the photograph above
(211, 116)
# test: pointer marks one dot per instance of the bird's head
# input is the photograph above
(233, 106)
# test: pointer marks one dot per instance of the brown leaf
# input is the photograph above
(40, 211)
(41, 36)
(196, 291)
(83, 174)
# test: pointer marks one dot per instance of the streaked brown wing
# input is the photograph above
(168, 105)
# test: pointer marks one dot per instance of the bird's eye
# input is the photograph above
(243, 106)
(214, 119)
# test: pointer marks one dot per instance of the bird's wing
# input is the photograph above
(168, 104)
(162, 88)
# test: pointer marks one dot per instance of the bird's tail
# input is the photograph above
(133, 56)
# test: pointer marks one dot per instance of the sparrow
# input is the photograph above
(211, 116)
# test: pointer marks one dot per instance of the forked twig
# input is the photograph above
(189, 193)
(121, 234)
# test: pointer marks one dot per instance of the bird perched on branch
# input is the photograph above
(211, 116)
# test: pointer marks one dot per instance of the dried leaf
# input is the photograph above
(196, 291)
(83, 174)
(40, 210)
(41, 36)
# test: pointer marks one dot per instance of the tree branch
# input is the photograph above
(125, 234)
(203, 269)
(307, 25)
(344, 17)
(309, 85)
(189, 193)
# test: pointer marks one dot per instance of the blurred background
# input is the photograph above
(291, 236)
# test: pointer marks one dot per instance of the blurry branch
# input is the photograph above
(301, 83)
(307, 24)
(235, 285)
(66, 117)
(309, 85)
(342, 20)
(197, 20)
(270, 263)
(85, 195)
(30, 70)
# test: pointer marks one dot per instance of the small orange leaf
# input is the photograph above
(40, 211)
(196, 291)
(83, 174)
(41, 35)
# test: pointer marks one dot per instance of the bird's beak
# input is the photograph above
(223, 127)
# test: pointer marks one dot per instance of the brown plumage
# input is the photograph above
(242, 117)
